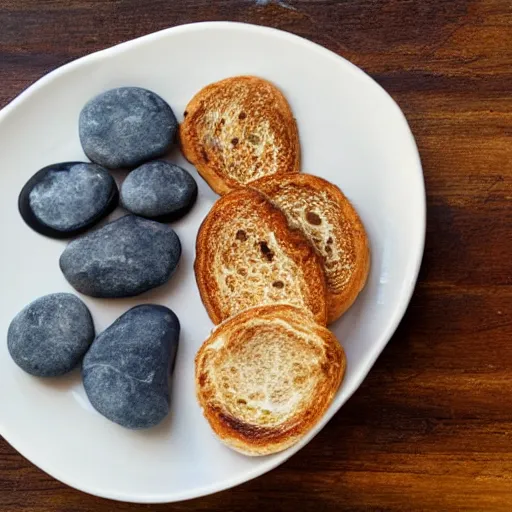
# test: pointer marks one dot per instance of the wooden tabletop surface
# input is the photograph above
(431, 427)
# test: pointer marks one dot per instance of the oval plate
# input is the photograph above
(352, 133)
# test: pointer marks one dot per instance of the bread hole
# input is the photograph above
(242, 116)
(329, 264)
(329, 240)
(242, 272)
(225, 385)
(313, 219)
(253, 139)
(328, 249)
(234, 141)
(278, 284)
(223, 121)
(232, 369)
(185, 114)
(241, 401)
(266, 251)
(241, 235)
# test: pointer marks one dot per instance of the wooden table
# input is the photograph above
(431, 427)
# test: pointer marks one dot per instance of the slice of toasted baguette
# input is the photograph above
(265, 377)
(331, 224)
(246, 255)
(238, 130)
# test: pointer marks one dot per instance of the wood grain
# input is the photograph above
(431, 428)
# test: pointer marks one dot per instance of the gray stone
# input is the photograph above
(159, 190)
(123, 258)
(49, 336)
(125, 127)
(127, 369)
(64, 199)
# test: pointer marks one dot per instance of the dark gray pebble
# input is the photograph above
(123, 258)
(126, 371)
(159, 190)
(49, 336)
(65, 199)
(125, 127)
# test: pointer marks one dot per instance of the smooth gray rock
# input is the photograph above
(127, 369)
(64, 199)
(49, 336)
(125, 127)
(159, 190)
(123, 258)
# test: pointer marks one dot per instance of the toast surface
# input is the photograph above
(238, 130)
(265, 377)
(331, 224)
(246, 255)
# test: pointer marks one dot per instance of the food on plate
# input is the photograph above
(159, 190)
(126, 371)
(238, 130)
(331, 224)
(126, 127)
(279, 256)
(49, 336)
(265, 377)
(246, 255)
(64, 199)
(123, 258)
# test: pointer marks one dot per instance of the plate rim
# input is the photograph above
(399, 310)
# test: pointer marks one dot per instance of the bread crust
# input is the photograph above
(331, 224)
(247, 255)
(237, 130)
(231, 365)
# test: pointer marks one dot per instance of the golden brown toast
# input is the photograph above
(246, 255)
(331, 224)
(238, 130)
(265, 377)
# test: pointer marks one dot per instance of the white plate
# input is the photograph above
(352, 133)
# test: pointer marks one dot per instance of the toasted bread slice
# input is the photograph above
(246, 255)
(265, 377)
(238, 130)
(331, 224)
